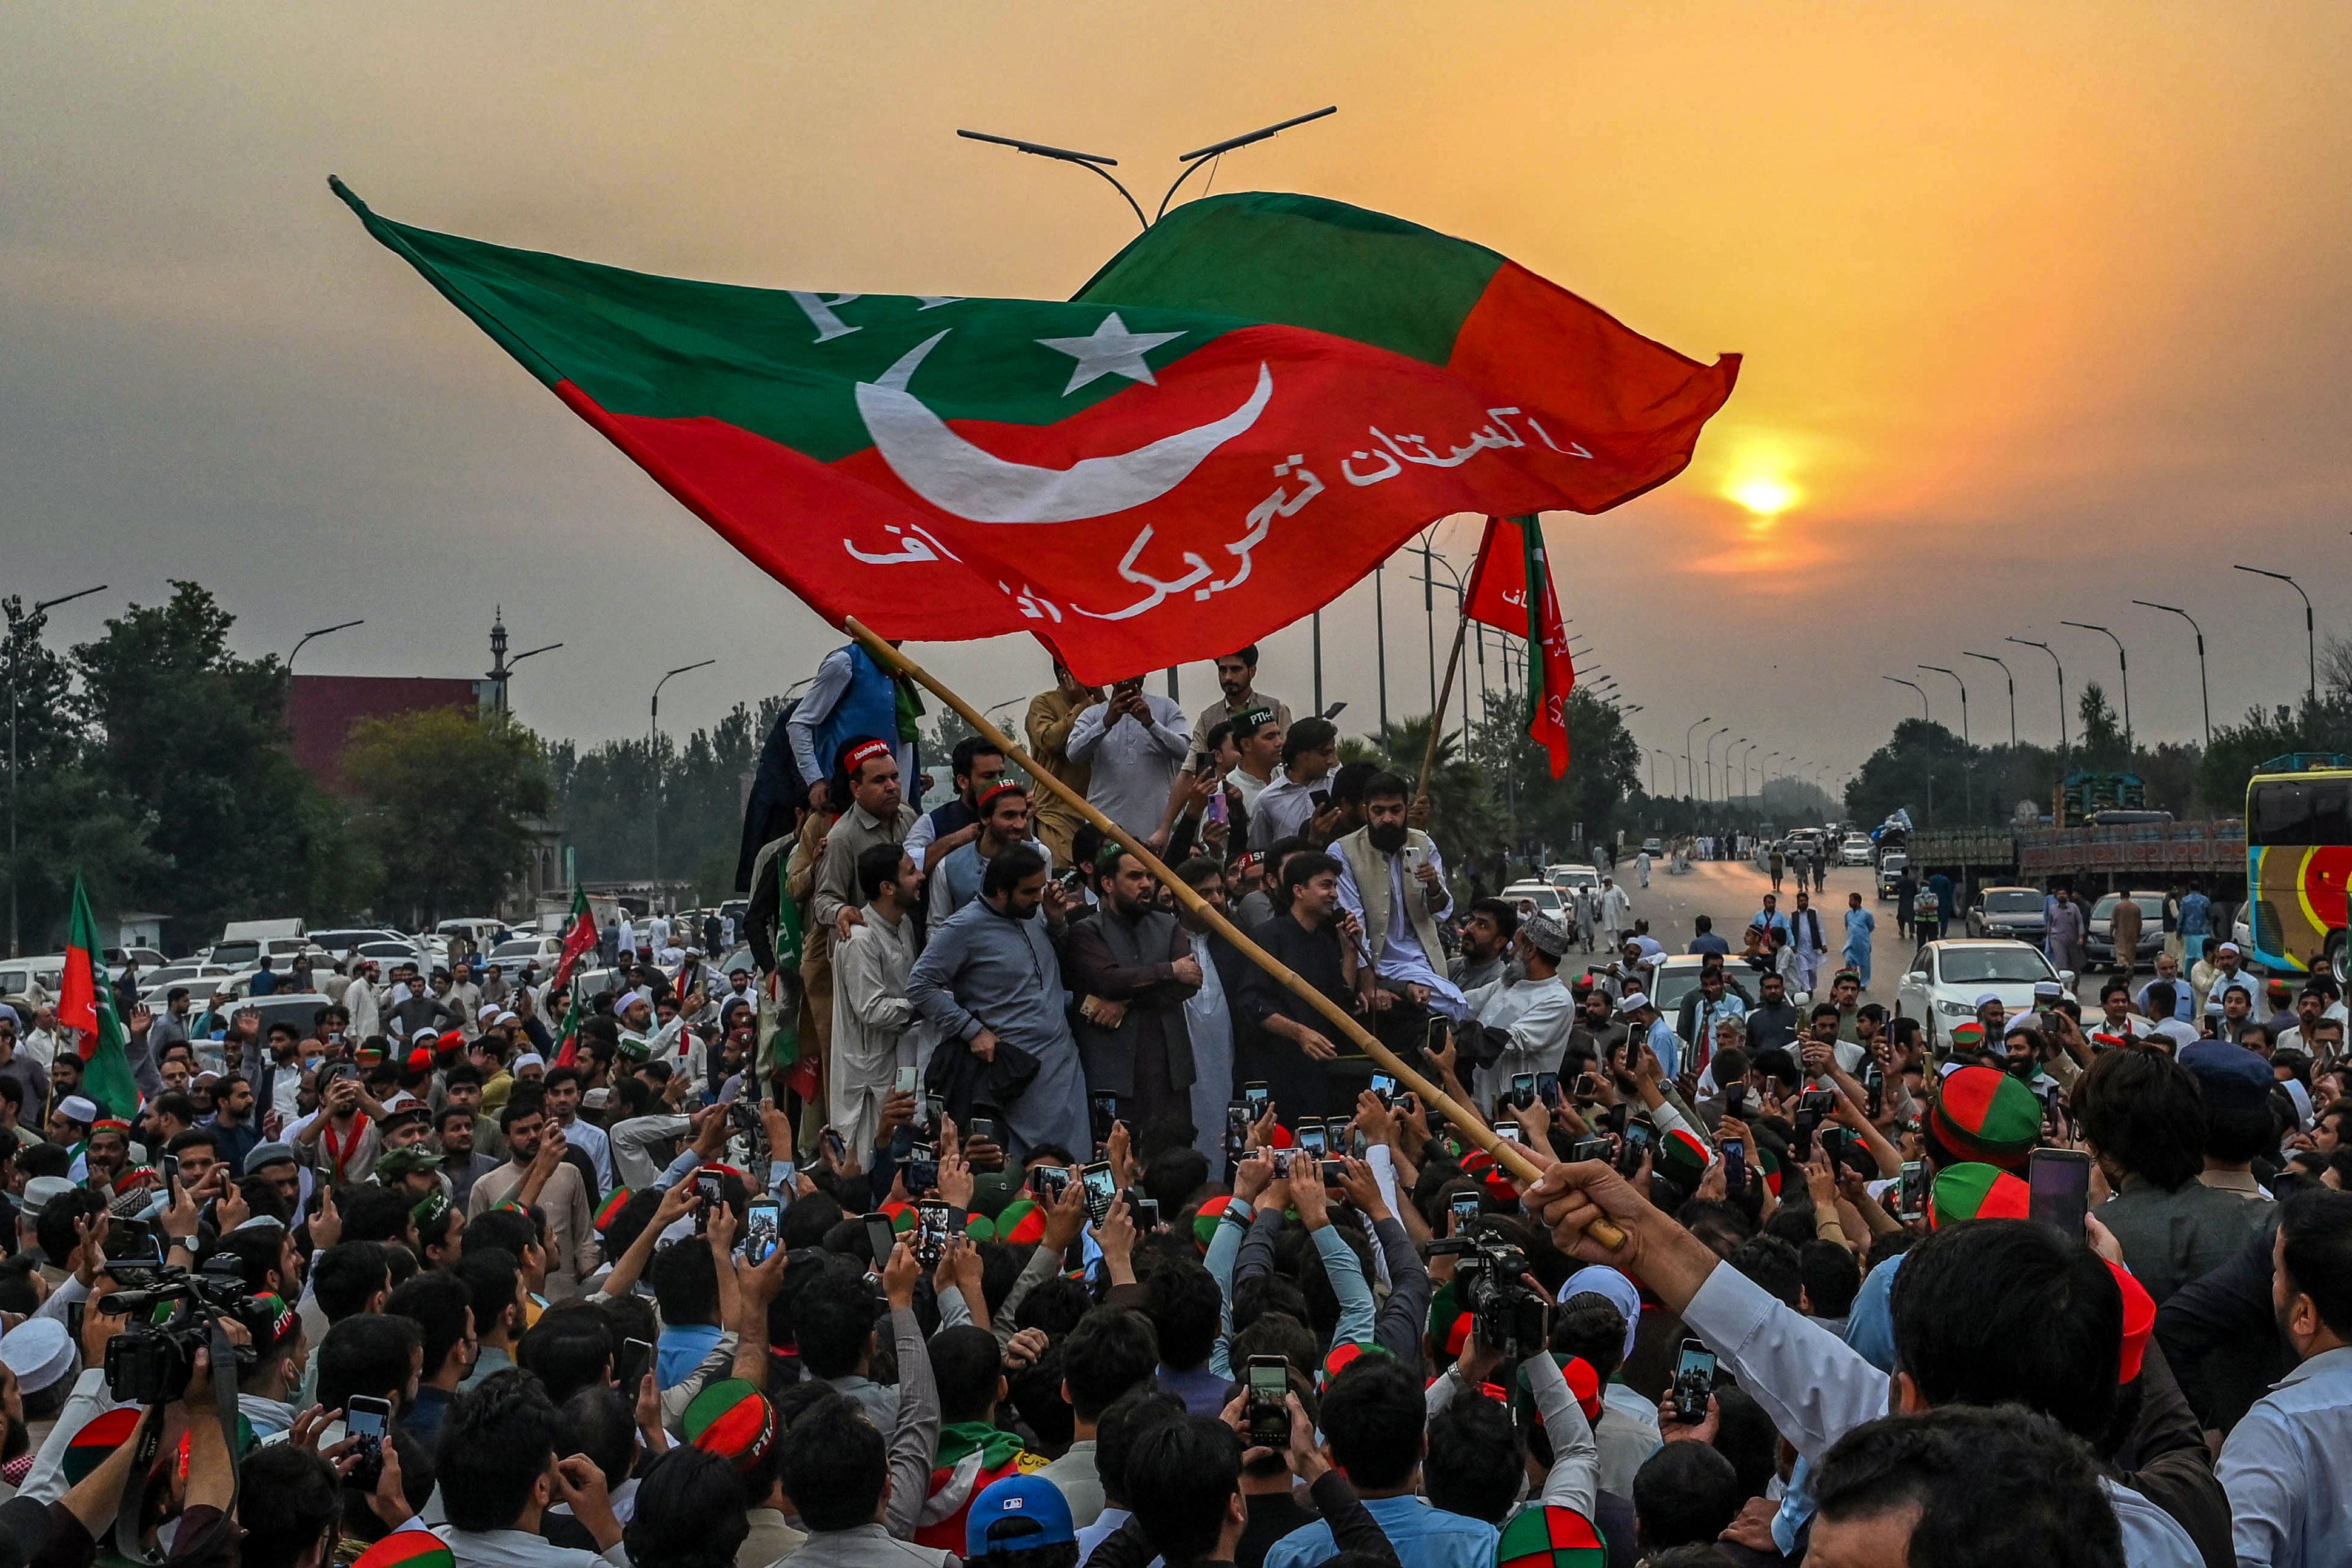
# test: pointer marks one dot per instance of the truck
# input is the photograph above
(2107, 854)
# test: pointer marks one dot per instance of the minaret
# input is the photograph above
(498, 671)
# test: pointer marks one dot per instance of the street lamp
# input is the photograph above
(1968, 772)
(38, 611)
(2310, 631)
(2204, 695)
(1915, 686)
(339, 626)
(1097, 163)
(2030, 643)
(2122, 664)
(653, 757)
(1430, 561)
(1964, 696)
(1710, 760)
(1690, 769)
(1989, 659)
(1768, 778)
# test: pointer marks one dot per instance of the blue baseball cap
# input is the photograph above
(2233, 1077)
(1018, 1514)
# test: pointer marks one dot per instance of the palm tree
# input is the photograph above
(1463, 816)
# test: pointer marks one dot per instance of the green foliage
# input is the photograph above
(447, 803)
(604, 796)
(2238, 749)
(191, 739)
(1544, 814)
(1463, 817)
(2100, 746)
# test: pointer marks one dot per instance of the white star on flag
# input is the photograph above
(1111, 350)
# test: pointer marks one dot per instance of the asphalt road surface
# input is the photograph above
(1729, 892)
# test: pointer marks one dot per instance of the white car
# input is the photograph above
(1572, 878)
(511, 956)
(1948, 976)
(1856, 849)
(1541, 895)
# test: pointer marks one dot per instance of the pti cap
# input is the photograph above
(1974, 1191)
(415, 1547)
(2140, 1322)
(1683, 1157)
(732, 1420)
(1983, 1113)
(1549, 1537)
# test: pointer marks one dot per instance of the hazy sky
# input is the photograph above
(2045, 306)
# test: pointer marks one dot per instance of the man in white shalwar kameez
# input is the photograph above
(1537, 1012)
(877, 1032)
(1393, 880)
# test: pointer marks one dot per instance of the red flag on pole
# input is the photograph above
(579, 939)
(1510, 557)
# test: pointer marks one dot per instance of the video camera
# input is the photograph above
(1487, 1281)
(150, 1363)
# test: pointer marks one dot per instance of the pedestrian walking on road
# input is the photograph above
(1779, 864)
(1641, 864)
(1861, 925)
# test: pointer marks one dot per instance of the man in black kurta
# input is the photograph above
(1305, 1062)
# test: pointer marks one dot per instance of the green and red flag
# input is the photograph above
(1510, 557)
(86, 1007)
(1251, 405)
(567, 1053)
(579, 936)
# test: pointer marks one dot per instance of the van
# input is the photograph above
(261, 930)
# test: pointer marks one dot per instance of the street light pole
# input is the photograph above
(1964, 697)
(1381, 639)
(1690, 769)
(1989, 659)
(38, 611)
(2310, 628)
(1915, 686)
(1710, 761)
(1968, 772)
(2123, 664)
(2203, 694)
(339, 626)
(2029, 643)
(653, 758)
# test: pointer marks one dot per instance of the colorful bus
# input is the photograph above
(2299, 863)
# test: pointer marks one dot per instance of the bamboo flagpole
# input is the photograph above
(1510, 1155)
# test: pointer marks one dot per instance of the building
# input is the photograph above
(322, 709)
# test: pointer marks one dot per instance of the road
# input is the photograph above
(1731, 891)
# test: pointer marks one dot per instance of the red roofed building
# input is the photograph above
(322, 709)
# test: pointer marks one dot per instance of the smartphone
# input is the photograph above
(708, 1188)
(906, 1085)
(1104, 1109)
(1911, 1190)
(922, 1168)
(1333, 1171)
(1694, 1381)
(1257, 1096)
(880, 1239)
(1735, 1101)
(2059, 1189)
(629, 1367)
(1146, 1213)
(1594, 1149)
(1822, 1102)
(1588, 1086)
(1874, 1082)
(168, 1167)
(1638, 1134)
(839, 1150)
(1318, 798)
(1100, 1190)
(1269, 1408)
(763, 1219)
(367, 1418)
(933, 1225)
(935, 1113)
(1523, 1090)
(75, 1311)
(983, 1129)
(1440, 1036)
(1311, 1138)
(1466, 1208)
(1508, 1131)
(1383, 1089)
(1735, 1165)
(1548, 1088)
(1237, 1130)
(1048, 1182)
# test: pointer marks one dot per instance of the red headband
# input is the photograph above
(998, 791)
(858, 756)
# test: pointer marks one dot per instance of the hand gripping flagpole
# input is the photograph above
(1509, 1154)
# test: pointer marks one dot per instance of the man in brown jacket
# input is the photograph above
(1052, 715)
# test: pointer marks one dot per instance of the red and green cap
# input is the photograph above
(978, 1227)
(1769, 1164)
(1021, 1223)
(417, 1548)
(900, 1215)
(1967, 1036)
(1974, 1191)
(1583, 1381)
(1344, 1356)
(1208, 1217)
(1683, 1156)
(98, 1440)
(610, 1208)
(733, 1420)
(1983, 1113)
(2140, 1322)
(1549, 1538)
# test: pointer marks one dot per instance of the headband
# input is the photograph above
(997, 792)
(858, 756)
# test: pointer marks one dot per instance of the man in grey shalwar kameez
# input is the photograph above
(990, 973)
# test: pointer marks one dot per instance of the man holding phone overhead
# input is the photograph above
(1536, 1015)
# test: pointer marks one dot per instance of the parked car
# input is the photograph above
(31, 981)
(1890, 872)
(2019, 914)
(1542, 896)
(1654, 848)
(2099, 939)
(299, 1008)
(1948, 976)
(1572, 878)
(1855, 850)
(388, 951)
(119, 958)
(1674, 976)
(339, 944)
(513, 954)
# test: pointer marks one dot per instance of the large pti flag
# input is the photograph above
(86, 1007)
(1251, 406)
(1510, 557)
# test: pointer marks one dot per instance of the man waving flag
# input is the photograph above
(1251, 405)
(86, 1010)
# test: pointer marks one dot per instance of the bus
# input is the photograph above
(2298, 863)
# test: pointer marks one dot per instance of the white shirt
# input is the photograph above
(1135, 764)
(1402, 959)
(1538, 1016)
(1284, 808)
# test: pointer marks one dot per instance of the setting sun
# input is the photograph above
(1761, 494)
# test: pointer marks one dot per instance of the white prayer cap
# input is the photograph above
(1634, 1002)
(505, 1016)
(78, 1108)
(1989, 999)
(529, 1058)
(40, 1352)
(487, 1011)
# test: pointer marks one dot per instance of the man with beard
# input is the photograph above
(1485, 947)
(990, 973)
(1772, 1021)
(977, 765)
(1133, 954)
(1237, 684)
(1539, 1014)
(1134, 742)
(1315, 939)
(536, 1173)
(871, 1014)
(877, 814)
(1392, 881)
(1209, 1013)
(462, 1163)
(954, 879)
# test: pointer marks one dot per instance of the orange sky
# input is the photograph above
(2042, 306)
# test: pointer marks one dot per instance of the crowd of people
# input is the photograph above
(1009, 1212)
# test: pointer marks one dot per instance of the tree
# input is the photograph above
(448, 804)
(1603, 773)
(605, 796)
(2103, 748)
(192, 739)
(1463, 817)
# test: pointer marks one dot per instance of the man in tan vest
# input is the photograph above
(1393, 879)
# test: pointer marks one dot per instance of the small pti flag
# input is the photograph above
(86, 1006)
(579, 936)
(1510, 557)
